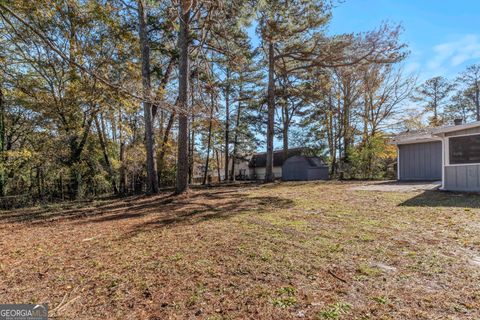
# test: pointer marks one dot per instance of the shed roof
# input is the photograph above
(315, 162)
(310, 162)
(259, 160)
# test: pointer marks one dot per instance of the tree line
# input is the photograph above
(444, 100)
(129, 96)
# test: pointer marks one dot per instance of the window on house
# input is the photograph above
(464, 149)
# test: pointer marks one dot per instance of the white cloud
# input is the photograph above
(454, 53)
(459, 59)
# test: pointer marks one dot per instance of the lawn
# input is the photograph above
(279, 251)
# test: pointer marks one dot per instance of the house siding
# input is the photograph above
(462, 178)
(420, 161)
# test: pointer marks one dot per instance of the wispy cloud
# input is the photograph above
(454, 53)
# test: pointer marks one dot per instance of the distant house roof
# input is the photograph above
(259, 160)
(242, 157)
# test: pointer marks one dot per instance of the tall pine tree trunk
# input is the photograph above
(183, 45)
(218, 165)
(227, 123)
(103, 145)
(366, 113)
(271, 112)
(163, 84)
(332, 146)
(163, 147)
(123, 174)
(209, 140)
(191, 151)
(286, 124)
(152, 184)
(2, 144)
(347, 138)
(235, 139)
(76, 146)
(477, 99)
(285, 142)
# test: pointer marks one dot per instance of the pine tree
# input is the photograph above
(184, 9)
(294, 42)
(152, 183)
(433, 93)
(470, 79)
(284, 27)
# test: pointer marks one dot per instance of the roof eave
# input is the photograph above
(456, 128)
(414, 139)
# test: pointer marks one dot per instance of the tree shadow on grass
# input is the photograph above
(195, 207)
(193, 212)
(67, 210)
(443, 199)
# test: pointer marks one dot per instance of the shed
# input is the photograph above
(303, 168)
(258, 162)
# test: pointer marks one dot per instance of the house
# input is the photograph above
(241, 166)
(450, 154)
(216, 169)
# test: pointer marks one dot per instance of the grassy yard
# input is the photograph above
(281, 251)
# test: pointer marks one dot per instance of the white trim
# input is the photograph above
(463, 164)
(446, 150)
(457, 127)
(443, 163)
(464, 135)
(398, 162)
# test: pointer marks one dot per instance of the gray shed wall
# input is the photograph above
(318, 173)
(462, 178)
(420, 161)
(297, 168)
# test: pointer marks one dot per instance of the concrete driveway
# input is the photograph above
(396, 186)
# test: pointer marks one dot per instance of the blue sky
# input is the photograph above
(443, 35)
